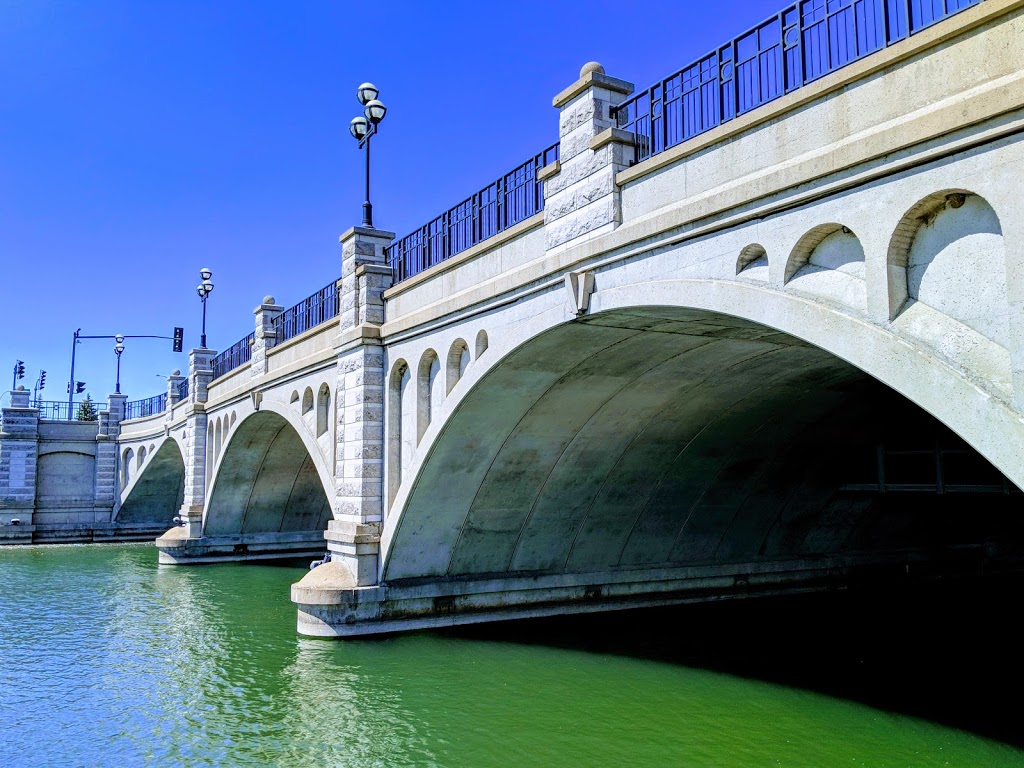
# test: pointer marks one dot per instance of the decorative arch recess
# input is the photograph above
(846, 251)
(457, 363)
(948, 253)
(752, 256)
(126, 467)
(323, 409)
(650, 437)
(429, 392)
(398, 432)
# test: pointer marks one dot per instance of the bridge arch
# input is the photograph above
(271, 478)
(157, 491)
(517, 477)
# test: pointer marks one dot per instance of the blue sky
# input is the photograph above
(141, 141)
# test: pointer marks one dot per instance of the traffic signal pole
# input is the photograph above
(176, 338)
(71, 381)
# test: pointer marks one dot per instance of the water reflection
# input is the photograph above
(111, 660)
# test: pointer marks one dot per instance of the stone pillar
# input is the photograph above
(19, 451)
(265, 336)
(173, 382)
(108, 485)
(353, 537)
(364, 277)
(581, 198)
(194, 500)
(200, 373)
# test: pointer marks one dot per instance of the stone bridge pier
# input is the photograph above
(289, 452)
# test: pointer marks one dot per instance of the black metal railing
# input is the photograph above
(804, 42)
(183, 390)
(57, 410)
(512, 198)
(138, 409)
(308, 313)
(236, 355)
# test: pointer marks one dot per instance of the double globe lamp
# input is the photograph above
(204, 289)
(362, 128)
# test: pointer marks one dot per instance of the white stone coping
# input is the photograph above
(592, 80)
(549, 170)
(351, 232)
(612, 136)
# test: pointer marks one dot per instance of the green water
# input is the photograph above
(108, 659)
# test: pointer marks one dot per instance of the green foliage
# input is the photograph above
(87, 411)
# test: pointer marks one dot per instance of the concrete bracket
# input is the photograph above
(579, 285)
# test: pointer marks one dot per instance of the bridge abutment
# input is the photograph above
(19, 451)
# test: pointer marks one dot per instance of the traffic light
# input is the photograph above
(19, 370)
(179, 335)
(79, 387)
(42, 379)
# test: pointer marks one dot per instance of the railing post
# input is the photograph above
(200, 373)
(581, 198)
(19, 451)
(173, 382)
(364, 277)
(265, 335)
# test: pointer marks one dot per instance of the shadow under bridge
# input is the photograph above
(658, 455)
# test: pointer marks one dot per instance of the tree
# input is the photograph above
(86, 410)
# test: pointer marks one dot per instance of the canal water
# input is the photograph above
(111, 660)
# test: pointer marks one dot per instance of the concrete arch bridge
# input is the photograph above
(782, 354)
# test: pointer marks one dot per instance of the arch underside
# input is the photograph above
(667, 437)
(158, 492)
(266, 482)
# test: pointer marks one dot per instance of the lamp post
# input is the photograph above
(362, 128)
(118, 349)
(204, 289)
